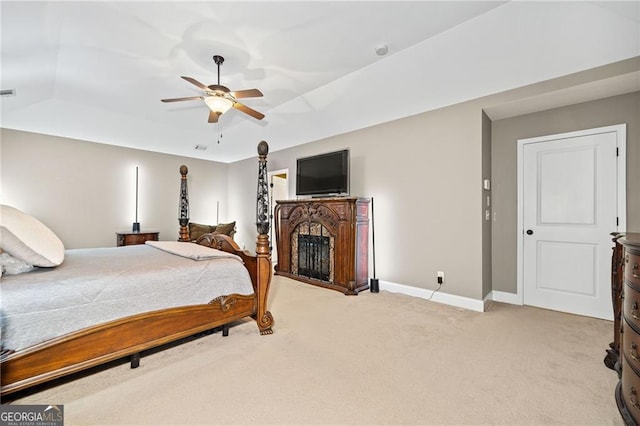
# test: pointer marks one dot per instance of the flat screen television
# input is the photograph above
(325, 174)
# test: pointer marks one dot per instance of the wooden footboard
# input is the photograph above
(116, 339)
(259, 267)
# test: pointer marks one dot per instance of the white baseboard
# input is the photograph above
(504, 297)
(452, 299)
(438, 296)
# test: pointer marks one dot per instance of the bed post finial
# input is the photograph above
(183, 210)
(263, 317)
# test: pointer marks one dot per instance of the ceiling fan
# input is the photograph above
(219, 98)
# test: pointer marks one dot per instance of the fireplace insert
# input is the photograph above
(313, 256)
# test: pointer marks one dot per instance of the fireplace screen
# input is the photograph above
(313, 256)
(312, 252)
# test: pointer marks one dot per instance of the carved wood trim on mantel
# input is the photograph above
(316, 213)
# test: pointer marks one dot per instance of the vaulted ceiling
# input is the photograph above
(96, 71)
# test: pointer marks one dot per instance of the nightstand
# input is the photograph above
(128, 238)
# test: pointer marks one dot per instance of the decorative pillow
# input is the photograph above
(12, 266)
(226, 229)
(26, 238)
(196, 230)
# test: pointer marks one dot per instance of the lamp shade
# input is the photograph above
(218, 104)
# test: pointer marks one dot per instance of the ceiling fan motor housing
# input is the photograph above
(219, 88)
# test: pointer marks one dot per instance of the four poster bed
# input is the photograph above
(130, 299)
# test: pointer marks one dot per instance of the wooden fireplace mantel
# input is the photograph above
(345, 220)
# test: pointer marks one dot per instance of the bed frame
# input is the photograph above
(131, 335)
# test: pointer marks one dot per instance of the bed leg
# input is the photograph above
(135, 360)
(225, 330)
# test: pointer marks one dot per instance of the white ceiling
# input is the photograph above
(96, 71)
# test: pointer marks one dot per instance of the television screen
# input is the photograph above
(323, 174)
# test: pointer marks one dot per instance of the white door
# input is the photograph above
(279, 188)
(570, 205)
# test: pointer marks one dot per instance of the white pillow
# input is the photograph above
(26, 238)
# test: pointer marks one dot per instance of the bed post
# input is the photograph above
(183, 220)
(263, 317)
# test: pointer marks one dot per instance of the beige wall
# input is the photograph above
(243, 184)
(85, 192)
(425, 174)
(506, 132)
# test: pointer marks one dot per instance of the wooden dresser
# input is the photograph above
(628, 389)
(324, 241)
(125, 238)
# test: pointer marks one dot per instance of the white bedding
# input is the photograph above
(102, 284)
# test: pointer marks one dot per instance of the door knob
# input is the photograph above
(529, 232)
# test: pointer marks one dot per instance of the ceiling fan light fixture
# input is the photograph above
(218, 104)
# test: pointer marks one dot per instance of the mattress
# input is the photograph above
(97, 285)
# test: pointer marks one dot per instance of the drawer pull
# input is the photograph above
(633, 397)
(634, 271)
(634, 310)
(634, 352)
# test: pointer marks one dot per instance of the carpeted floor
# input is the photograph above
(370, 359)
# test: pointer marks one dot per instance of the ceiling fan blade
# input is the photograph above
(189, 98)
(247, 110)
(213, 116)
(195, 82)
(249, 93)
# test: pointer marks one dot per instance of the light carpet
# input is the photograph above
(369, 359)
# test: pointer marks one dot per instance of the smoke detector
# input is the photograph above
(382, 50)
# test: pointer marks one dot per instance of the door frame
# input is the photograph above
(272, 237)
(621, 170)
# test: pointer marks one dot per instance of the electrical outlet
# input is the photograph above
(440, 277)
